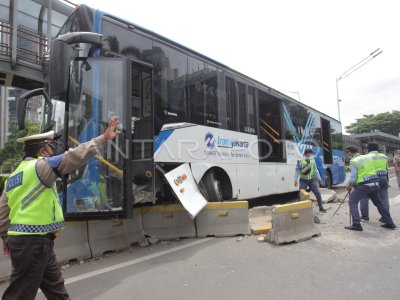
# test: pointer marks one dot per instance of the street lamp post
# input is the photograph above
(351, 71)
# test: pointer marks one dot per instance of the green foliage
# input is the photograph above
(12, 152)
(388, 122)
(2, 182)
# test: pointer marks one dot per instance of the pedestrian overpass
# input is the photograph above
(25, 35)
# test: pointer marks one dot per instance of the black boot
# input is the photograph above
(388, 226)
(356, 227)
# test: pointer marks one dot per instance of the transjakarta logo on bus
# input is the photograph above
(210, 141)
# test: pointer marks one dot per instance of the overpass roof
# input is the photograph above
(377, 134)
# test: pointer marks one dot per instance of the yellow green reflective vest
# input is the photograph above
(307, 169)
(34, 208)
(365, 168)
(380, 162)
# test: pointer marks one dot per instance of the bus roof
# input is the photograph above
(85, 8)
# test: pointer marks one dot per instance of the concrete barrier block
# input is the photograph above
(5, 266)
(106, 235)
(167, 222)
(132, 228)
(223, 219)
(73, 242)
(293, 223)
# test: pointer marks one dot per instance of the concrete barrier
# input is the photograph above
(132, 229)
(167, 222)
(293, 223)
(107, 235)
(223, 219)
(73, 242)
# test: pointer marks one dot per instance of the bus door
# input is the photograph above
(141, 116)
(97, 91)
(273, 167)
(326, 142)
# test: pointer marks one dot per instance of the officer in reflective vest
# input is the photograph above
(31, 216)
(380, 161)
(309, 174)
(365, 182)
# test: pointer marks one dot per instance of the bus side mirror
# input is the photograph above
(21, 105)
(60, 60)
(61, 52)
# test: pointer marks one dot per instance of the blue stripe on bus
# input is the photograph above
(161, 138)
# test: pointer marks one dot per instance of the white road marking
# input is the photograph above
(134, 261)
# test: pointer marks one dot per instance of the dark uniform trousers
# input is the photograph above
(34, 266)
(313, 185)
(371, 191)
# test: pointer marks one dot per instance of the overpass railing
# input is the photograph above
(31, 45)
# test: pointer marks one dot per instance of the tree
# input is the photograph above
(12, 152)
(388, 122)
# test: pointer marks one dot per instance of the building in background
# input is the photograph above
(25, 35)
(387, 143)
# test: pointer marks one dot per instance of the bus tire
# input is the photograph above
(211, 186)
(328, 179)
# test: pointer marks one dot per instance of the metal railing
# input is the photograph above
(5, 39)
(31, 45)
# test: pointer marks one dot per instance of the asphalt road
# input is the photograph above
(339, 264)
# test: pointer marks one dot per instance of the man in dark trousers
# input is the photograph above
(380, 161)
(31, 215)
(365, 182)
(309, 176)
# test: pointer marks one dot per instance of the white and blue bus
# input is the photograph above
(239, 138)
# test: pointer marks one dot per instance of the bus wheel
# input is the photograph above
(211, 187)
(328, 180)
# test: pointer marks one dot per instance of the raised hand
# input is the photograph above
(111, 131)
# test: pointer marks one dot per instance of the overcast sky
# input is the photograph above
(290, 45)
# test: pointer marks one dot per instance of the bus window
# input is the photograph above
(300, 124)
(216, 114)
(196, 73)
(170, 67)
(120, 40)
(230, 87)
(270, 133)
(141, 113)
(247, 105)
(326, 141)
(337, 142)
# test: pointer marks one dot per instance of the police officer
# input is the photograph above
(30, 211)
(309, 175)
(380, 161)
(366, 185)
